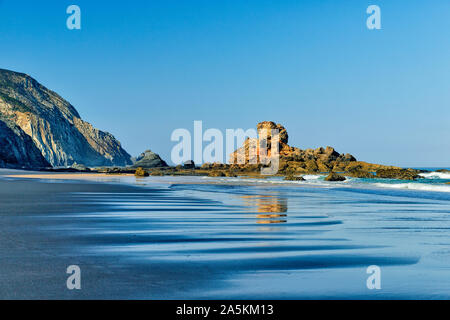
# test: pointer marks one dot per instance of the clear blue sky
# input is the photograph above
(140, 69)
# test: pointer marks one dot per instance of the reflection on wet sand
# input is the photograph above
(270, 206)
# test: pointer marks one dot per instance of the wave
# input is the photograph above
(312, 177)
(414, 186)
(436, 175)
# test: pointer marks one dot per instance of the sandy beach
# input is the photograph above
(172, 238)
(37, 243)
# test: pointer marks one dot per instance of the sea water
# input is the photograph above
(275, 239)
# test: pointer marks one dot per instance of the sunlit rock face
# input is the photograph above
(294, 160)
(54, 125)
(17, 150)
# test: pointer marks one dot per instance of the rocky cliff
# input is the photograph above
(54, 126)
(17, 150)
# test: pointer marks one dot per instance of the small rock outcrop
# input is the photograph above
(190, 164)
(140, 172)
(359, 173)
(294, 178)
(149, 159)
(335, 177)
(80, 167)
(401, 174)
(216, 174)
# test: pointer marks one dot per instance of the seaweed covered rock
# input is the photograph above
(333, 176)
(294, 178)
(358, 173)
(140, 172)
(216, 174)
(401, 174)
(80, 167)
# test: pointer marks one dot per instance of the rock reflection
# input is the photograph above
(269, 206)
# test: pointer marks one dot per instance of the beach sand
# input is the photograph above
(37, 243)
(200, 238)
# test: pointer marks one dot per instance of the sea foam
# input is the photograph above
(436, 175)
(415, 186)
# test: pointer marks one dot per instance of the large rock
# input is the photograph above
(54, 126)
(293, 160)
(402, 174)
(140, 172)
(17, 150)
(335, 177)
(149, 159)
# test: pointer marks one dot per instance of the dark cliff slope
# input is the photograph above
(17, 150)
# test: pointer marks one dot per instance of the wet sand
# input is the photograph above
(187, 238)
(37, 243)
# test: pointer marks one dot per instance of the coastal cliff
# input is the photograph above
(17, 150)
(54, 127)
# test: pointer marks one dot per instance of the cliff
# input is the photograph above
(17, 150)
(53, 125)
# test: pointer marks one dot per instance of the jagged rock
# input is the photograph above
(140, 172)
(333, 176)
(358, 173)
(294, 178)
(17, 150)
(156, 173)
(216, 174)
(149, 159)
(54, 126)
(443, 170)
(189, 164)
(80, 167)
(230, 174)
(402, 174)
(294, 160)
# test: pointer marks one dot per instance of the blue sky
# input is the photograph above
(141, 69)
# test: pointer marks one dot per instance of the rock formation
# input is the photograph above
(402, 174)
(54, 126)
(140, 172)
(294, 160)
(149, 159)
(190, 164)
(333, 176)
(294, 178)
